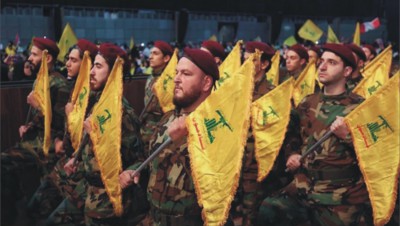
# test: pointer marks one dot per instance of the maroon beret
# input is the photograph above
(371, 48)
(266, 49)
(357, 50)
(45, 43)
(84, 45)
(204, 61)
(300, 50)
(343, 52)
(165, 48)
(216, 49)
(110, 52)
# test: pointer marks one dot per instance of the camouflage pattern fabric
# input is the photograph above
(66, 214)
(152, 112)
(171, 190)
(353, 82)
(329, 178)
(284, 75)
(98, 208)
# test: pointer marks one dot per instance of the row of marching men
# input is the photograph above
(90, 144)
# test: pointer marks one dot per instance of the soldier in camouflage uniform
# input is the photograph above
(171, 190)
(296, 60)
(360, 57)
(328, 188)
(98, 209)
(159, 57)
(29, 152)
(253, 191)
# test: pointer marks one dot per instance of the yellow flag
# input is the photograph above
(131, 43)
(310, 31)
(356, 38)
(106, 135)
(41, 93)
(217, 134)
(332, 38)
(230, 65)
(374, 126)
(273, 73)
(376, 74)
(269, 119)
(67, 40)
(79, 99)
(290, 41)
(305, 83)
(164, 86)
(213, 38)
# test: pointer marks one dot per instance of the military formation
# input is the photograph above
(326, 188)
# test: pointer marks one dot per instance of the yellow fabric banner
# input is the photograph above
(356, 37)
(164, 86)
(310, 31)
(305, 83)
(67, 40)
(106, 122)
(374, 126)
(213, 38)
(273, 73)
(376, 74)
(131, 43)
(218, 131)
(41, 93)
(332, 38)
(290, 41)
(79, 99)
(270, 116)
(230, 65)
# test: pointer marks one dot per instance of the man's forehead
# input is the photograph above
(330, 55)
(155, 49)
(99, 59)
(292, 53)
(186, 64)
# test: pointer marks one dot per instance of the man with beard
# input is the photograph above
(29, 152)
(160, 55)
(171, 190)
(328, 188)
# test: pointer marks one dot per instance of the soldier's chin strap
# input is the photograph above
(315, 145)
(152, 156)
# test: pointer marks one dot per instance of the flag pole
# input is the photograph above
(84, 141)
(151, 157)
(311, 149)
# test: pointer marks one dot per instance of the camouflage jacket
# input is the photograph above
(152, 112)
(330, 175)
(97, 204)
(59, 94)
(284, 75)
(171, 189)
(353, 82)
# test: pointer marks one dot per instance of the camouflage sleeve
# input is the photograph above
(132, 151)
(67, 144)
(60, 93)
(292, 142)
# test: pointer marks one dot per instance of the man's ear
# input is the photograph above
(208, 83)
(166, 58)
(348, 71)
(49, 58)
(264, 64)
(303, 61)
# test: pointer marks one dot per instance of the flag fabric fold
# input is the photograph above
(356, 36)
(273, 73)
(374, 127)
(290, 41)
(41, 93)
(218, 131)
(105, 135)
(79, 99)
(270, 116)
(230, 65)
(376, 74)
(331, 37)
(371, 25)
(305, 83)
(310, 31)
(67, 40)
(164, 86)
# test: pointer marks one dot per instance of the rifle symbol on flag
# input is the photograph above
(375, 127)
(265, 115)
(222, 79)
(212, 124)
(102, 119)
(82, 95)
(373, 88)
(165, 82)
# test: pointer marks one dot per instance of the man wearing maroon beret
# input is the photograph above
(296, 60)
(97, 207)
(328, 188)
(360, 58)
(215, 49)
(170, 190)
(370, 52)
(314, 53)
(160, 56)
(29, 152)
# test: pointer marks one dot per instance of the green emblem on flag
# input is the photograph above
(212, 124)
